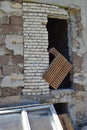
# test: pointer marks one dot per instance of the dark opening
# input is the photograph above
(58, 38)
(61, 108)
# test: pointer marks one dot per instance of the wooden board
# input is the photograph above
(65, 121)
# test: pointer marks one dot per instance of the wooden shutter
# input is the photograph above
(57, 70)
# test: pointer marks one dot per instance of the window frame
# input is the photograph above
(24, 109)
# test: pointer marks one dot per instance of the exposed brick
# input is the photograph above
(5, 20)
(6, 29)
(17, 59)
(79, 25)
(11, 69)
(2, 39)
(4, 60)
(77, 61)
(78, 87)
(19, 90)
(0, 29)
(7, 91)
(16, 20)
(77, 68)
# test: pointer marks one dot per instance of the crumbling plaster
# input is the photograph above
(11, 49)
(15, 43)
(11, 8)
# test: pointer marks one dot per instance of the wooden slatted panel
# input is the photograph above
(61, 75)
(54, 51)
(65, 121)
(54, 68)
(57, 70)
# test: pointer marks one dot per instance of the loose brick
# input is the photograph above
(16, 20)
(6, 29)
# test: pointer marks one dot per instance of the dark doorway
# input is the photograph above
(61, 108)
(58, 38)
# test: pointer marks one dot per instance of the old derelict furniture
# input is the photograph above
(57, 70)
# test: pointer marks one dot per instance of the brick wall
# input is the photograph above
(36, 56)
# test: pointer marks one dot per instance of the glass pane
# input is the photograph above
(11, 122)
(40, 119)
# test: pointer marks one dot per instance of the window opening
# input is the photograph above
(58, 38)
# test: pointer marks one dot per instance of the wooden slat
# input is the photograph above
(54, 51)
(65, 121)
(57, 70)
(54, 68)
(61, 75)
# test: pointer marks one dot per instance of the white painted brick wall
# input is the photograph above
(36, 56)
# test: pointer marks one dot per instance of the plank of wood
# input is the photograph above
(65, 121)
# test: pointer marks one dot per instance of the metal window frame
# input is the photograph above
(28, 108)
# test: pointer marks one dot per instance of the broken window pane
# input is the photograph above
(11, 121)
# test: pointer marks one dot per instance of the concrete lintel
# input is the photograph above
(52, 2)
(66, 17)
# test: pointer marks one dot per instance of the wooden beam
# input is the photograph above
(65, 121)
(59, 16)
